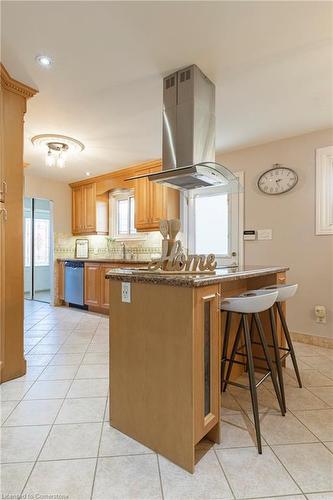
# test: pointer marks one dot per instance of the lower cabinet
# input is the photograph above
(61, 280)
(96, 286)
(104, 286)
(92, 284)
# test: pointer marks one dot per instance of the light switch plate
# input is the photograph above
(265, 234)
(126, 292)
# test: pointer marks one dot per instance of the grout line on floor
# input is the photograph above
(160, 475)
(99, 446)
(285, 468)
(224, 473)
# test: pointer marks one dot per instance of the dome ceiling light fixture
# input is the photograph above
(57, 148)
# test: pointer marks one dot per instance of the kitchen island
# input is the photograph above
(165, 350)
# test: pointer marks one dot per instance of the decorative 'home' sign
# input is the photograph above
(173, 258)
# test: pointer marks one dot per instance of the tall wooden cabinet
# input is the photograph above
(13, 99)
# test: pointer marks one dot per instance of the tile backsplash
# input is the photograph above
(99, 246)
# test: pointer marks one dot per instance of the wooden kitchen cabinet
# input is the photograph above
(77, 212)
(154, 202)
(61, 280)
(104, 295)
(13, 99)
(96, 287)
(92, 284)
(90, 212)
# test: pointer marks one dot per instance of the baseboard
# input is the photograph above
(305, 338)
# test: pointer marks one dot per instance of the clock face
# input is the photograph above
(277, 180)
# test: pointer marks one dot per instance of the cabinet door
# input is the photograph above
(104, 301)
(89, 207)
(92, 284)
(77, 210)
(157, 204)
(207, 360)
(61, 280)
(142, 204)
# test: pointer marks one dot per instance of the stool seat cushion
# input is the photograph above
(250, 302)
(285, 292)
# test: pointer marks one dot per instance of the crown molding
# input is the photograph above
(123, 173)
(8, 83)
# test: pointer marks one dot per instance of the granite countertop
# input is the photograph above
(193, 280)
(105, 259)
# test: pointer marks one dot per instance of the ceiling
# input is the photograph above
(271, 63)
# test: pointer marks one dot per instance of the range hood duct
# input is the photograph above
(188, 158)
(188, 119)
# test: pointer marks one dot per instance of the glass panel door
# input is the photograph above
(37, 249)
(41, 258)
(27, 239)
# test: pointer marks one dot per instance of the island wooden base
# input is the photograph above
(165, 350)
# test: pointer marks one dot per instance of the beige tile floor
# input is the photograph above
(56, 439)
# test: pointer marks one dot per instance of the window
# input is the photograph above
(211, 211)
(123, 215)
(324, 190)
(42, 242)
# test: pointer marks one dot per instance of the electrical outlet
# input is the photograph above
(126, 292)
(320, 313)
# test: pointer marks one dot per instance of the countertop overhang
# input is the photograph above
(193, 280)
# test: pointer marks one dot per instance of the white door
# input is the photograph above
(213, 221)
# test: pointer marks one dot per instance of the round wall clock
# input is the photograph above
(277, 180)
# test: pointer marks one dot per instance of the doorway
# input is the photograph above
(38, 264)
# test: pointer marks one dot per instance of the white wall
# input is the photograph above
(292, 218)
(58, 192)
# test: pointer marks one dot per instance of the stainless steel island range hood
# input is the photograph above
(188, 158)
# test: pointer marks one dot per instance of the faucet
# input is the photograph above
(123, 250)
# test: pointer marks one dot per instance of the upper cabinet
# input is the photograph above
(90, 212)
(90, 200)
(154, 202)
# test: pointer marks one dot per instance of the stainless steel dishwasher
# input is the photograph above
(74, 282)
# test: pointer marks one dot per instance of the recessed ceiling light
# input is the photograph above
(44, 61)
(88, 173)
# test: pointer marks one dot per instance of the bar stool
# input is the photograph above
(249, 303)
(285, 292)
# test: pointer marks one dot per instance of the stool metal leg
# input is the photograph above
(225, 345)
(252, 381)
(233, 354)
(251, 337)
(277, 357)
(289, 342)
(268, 360)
